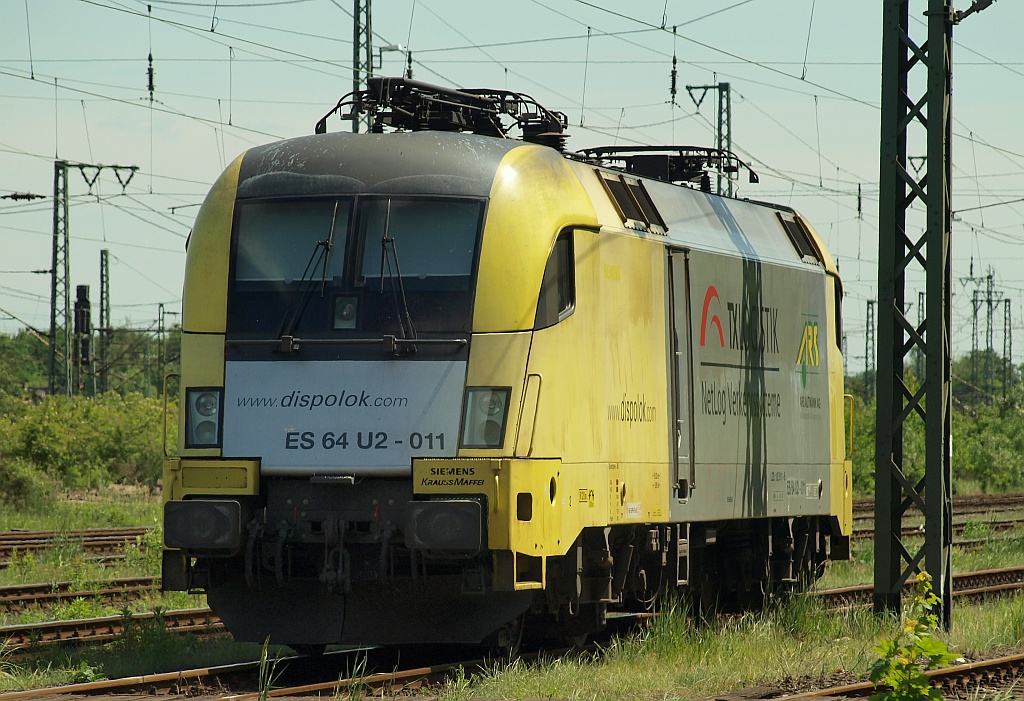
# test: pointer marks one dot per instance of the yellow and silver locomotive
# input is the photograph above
(437, 382)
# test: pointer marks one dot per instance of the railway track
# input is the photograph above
(19, 638)
(969, 679)
(964, 680)
(241, 677)
(959, 527)
(101, 542)
(973, 503)
(971, 585)
(18, 597)
(202, 621)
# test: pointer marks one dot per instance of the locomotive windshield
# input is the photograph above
(353, 267)
(433, 242)
(275, 240)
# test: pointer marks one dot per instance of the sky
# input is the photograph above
(230, 74)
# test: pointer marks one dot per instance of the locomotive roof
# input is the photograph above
(704, 220)
(462, 164)
(424, 162)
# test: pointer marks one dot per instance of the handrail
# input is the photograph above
(167, 377)
(849, 452)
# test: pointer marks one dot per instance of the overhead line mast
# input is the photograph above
(723, 131)
(899, 251)
(362, 54)
(61, 361)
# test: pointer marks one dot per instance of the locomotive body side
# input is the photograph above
(435, 386)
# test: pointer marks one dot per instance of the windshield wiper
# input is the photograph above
(397, 293)
(300, 298)
(328, 246)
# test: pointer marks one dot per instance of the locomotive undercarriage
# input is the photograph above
(715, 566)
(327, 561)
(337, 549)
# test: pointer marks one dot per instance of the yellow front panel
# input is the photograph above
(225, 477)
(534, 507)
(604, 400)
(204, 304)
(203, 367)
(535, 195)
(499, 360)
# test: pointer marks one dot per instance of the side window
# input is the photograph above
(837, 297)
(633, 202)
(799, 237)
(558, 288)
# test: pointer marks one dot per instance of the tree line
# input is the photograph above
(55, 444)
(50, 444)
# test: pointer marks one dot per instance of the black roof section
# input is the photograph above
(340, 163)
(672, 164)
(411, 105)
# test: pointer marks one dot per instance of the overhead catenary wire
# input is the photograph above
(583, 97)
(28, 32)
(621, 123)
(807, 44)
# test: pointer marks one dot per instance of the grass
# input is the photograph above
(146, 647)
(677, 659)
(109, 509)
(145, 650)
(1006, 549)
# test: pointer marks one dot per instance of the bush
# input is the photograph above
(90, 442)
(24, 486)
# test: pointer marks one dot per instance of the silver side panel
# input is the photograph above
(760, 387)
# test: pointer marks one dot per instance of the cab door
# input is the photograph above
(682, 371)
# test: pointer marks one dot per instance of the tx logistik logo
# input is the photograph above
(808, 354)
(711, 294)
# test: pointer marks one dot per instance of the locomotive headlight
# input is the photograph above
(206, 404)
(202, 524)
(203, 417)
(448, 526)
(485, 416)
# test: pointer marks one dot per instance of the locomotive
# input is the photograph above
(443, 385)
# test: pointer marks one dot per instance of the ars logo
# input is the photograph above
(808, 353)
(713, 320)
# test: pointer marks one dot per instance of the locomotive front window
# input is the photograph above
(429, 243)
(368, 266)
(283, 241)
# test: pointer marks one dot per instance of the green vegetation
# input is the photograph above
(53, 445)
(900, 671)
(145, 648)
(77, 444)
(789, 646)
(115, 506)
(988, 428)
